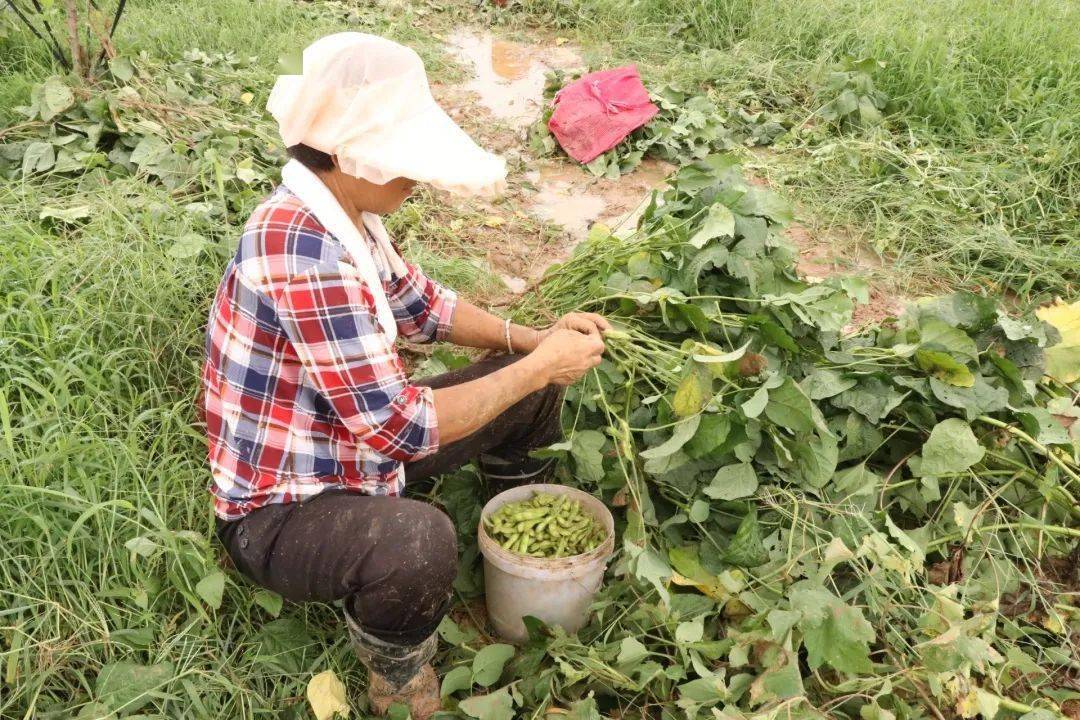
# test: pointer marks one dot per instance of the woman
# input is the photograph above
(313, 426)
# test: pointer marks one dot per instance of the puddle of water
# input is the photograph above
(509, 60)
(569, 206)
(514, 284)
(572, 198)
(508, 77)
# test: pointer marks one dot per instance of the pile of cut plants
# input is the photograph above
(688, 127)
(812, 520)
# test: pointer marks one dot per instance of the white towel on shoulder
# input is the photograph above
(369, 254)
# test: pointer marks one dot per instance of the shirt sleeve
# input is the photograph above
(327, 313)
(424, 309)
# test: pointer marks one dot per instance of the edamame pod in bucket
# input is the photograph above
(555, 589)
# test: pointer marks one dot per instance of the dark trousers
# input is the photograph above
(391, 559)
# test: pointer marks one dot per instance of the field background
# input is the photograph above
(971, 182)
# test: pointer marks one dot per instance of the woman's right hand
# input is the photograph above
(566, 355)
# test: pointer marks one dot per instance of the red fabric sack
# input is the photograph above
(594, 113)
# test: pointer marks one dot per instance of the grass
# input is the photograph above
(105, 530)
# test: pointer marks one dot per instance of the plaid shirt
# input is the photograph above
(303, 390)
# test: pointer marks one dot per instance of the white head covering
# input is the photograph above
(366, 100)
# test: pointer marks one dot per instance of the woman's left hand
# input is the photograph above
(585, 323)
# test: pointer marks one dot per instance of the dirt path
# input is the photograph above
(551, 202)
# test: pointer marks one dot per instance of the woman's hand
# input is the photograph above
(584, 323)
(565, 355)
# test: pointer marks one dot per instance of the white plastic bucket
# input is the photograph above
(558, 591)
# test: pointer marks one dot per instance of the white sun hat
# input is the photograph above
(366, 100)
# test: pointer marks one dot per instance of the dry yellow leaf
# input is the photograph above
(967, 705)
(709, 587)
(247, 97)
(1063, 358)
(1065, 318)
(327, 696)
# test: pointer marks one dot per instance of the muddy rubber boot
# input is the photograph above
(398, 673)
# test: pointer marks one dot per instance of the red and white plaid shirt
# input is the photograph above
(303, 390)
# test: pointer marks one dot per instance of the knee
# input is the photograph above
(429, 547)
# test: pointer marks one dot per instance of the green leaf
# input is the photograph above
(142, 546)
(125, 687)
(764, 203)
(585, 448)
(715, 255)
(824, 383)
(584, 710)
(459, 678)
(187, 246)
(1063, 362)
(905, 539)
(756, 404)
(943, 367)
(699, 511)
(631, 653)
(488, 664)
(689, 572)
(789, 407)
(935, 334)
(1044, 427)
(857, 480)
(285, 645)
(872, 398)
(732, 482)
(690, 631)
(951, 448)
(451, 632)
(684, 430)
(964, 310)
(712, 431)
(781, 622)
(211, 587)
(100, 711)
(720, 222)
(833, 631)
(493, 706)
(38, 157)
(778, 684)
(121, 69)
(981, 398)
(269, 601)
(815, 459)
(649, 567)
(1020, 329)
(149, 152)
(701, 693)
(746, 549)
(54, 98)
